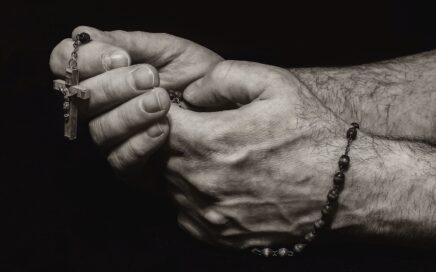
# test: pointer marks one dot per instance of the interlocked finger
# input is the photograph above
(121, 122)
(118, 86)
(135, 151)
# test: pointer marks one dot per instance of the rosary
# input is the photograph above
(327, 212)
(71, 90)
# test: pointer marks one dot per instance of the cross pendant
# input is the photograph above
(72, 92)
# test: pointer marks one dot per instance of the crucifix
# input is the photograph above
(71, 90)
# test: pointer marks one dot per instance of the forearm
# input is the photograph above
(390, 190)
(395, 98)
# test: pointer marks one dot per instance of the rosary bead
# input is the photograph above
(352, 133)
(309, 237)
(333, 195)
(327, 210)
(283, 252)
(266, 252)
(339, 179)
(84, 37)
(319, 224)
(344, 162)
(299, 247)
(356, 125)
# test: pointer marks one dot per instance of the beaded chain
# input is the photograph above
(328, 211)
(80, 39)
(176, 97)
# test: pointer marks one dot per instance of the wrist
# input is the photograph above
(388, 192)
(330, 86)
(387, 99)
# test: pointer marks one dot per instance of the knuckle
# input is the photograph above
(128, 155)
(116, 162)
(279, 76)
(143, 76)
(209, 186)
(58, 55)
(135, 148)
(96, 130)
(126, 116)
(185, 224)
(181, 201)
(191, 228)
(214, 217)
(108, 91)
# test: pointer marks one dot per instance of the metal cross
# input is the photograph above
(72, 92)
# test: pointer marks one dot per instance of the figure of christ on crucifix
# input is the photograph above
(72, 91)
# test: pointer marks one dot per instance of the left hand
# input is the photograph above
(258, 173)
(128, 121)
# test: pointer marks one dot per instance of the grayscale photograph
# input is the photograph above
(159, 136)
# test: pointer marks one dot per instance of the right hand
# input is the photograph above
(256, 174)
(178, 61)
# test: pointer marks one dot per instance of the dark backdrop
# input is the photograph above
(63, 208)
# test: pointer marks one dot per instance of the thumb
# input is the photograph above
(156, 49)
(230, 84)
(191, 129)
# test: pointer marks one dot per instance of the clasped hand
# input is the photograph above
(249, 167)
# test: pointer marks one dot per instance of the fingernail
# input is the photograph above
(189, 93)
(115, 59)
(152, 101)
(144, 77)
(156, 130)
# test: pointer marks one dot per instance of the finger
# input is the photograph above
(233, 83)
(189, 225)
(134, 153)
(156, 49)
(201, 231)
(187, 128)
(93, 59)
(125, 120)
(191, 130)
(117, 86)
(210, 217)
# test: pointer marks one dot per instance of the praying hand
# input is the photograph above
(251, 156)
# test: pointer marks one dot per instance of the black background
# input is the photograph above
(63, 208)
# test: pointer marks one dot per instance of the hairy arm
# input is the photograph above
(390, 190)
(395, 98)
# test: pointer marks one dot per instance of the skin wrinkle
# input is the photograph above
(387, 107)
(258, 152)
(270, 205)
